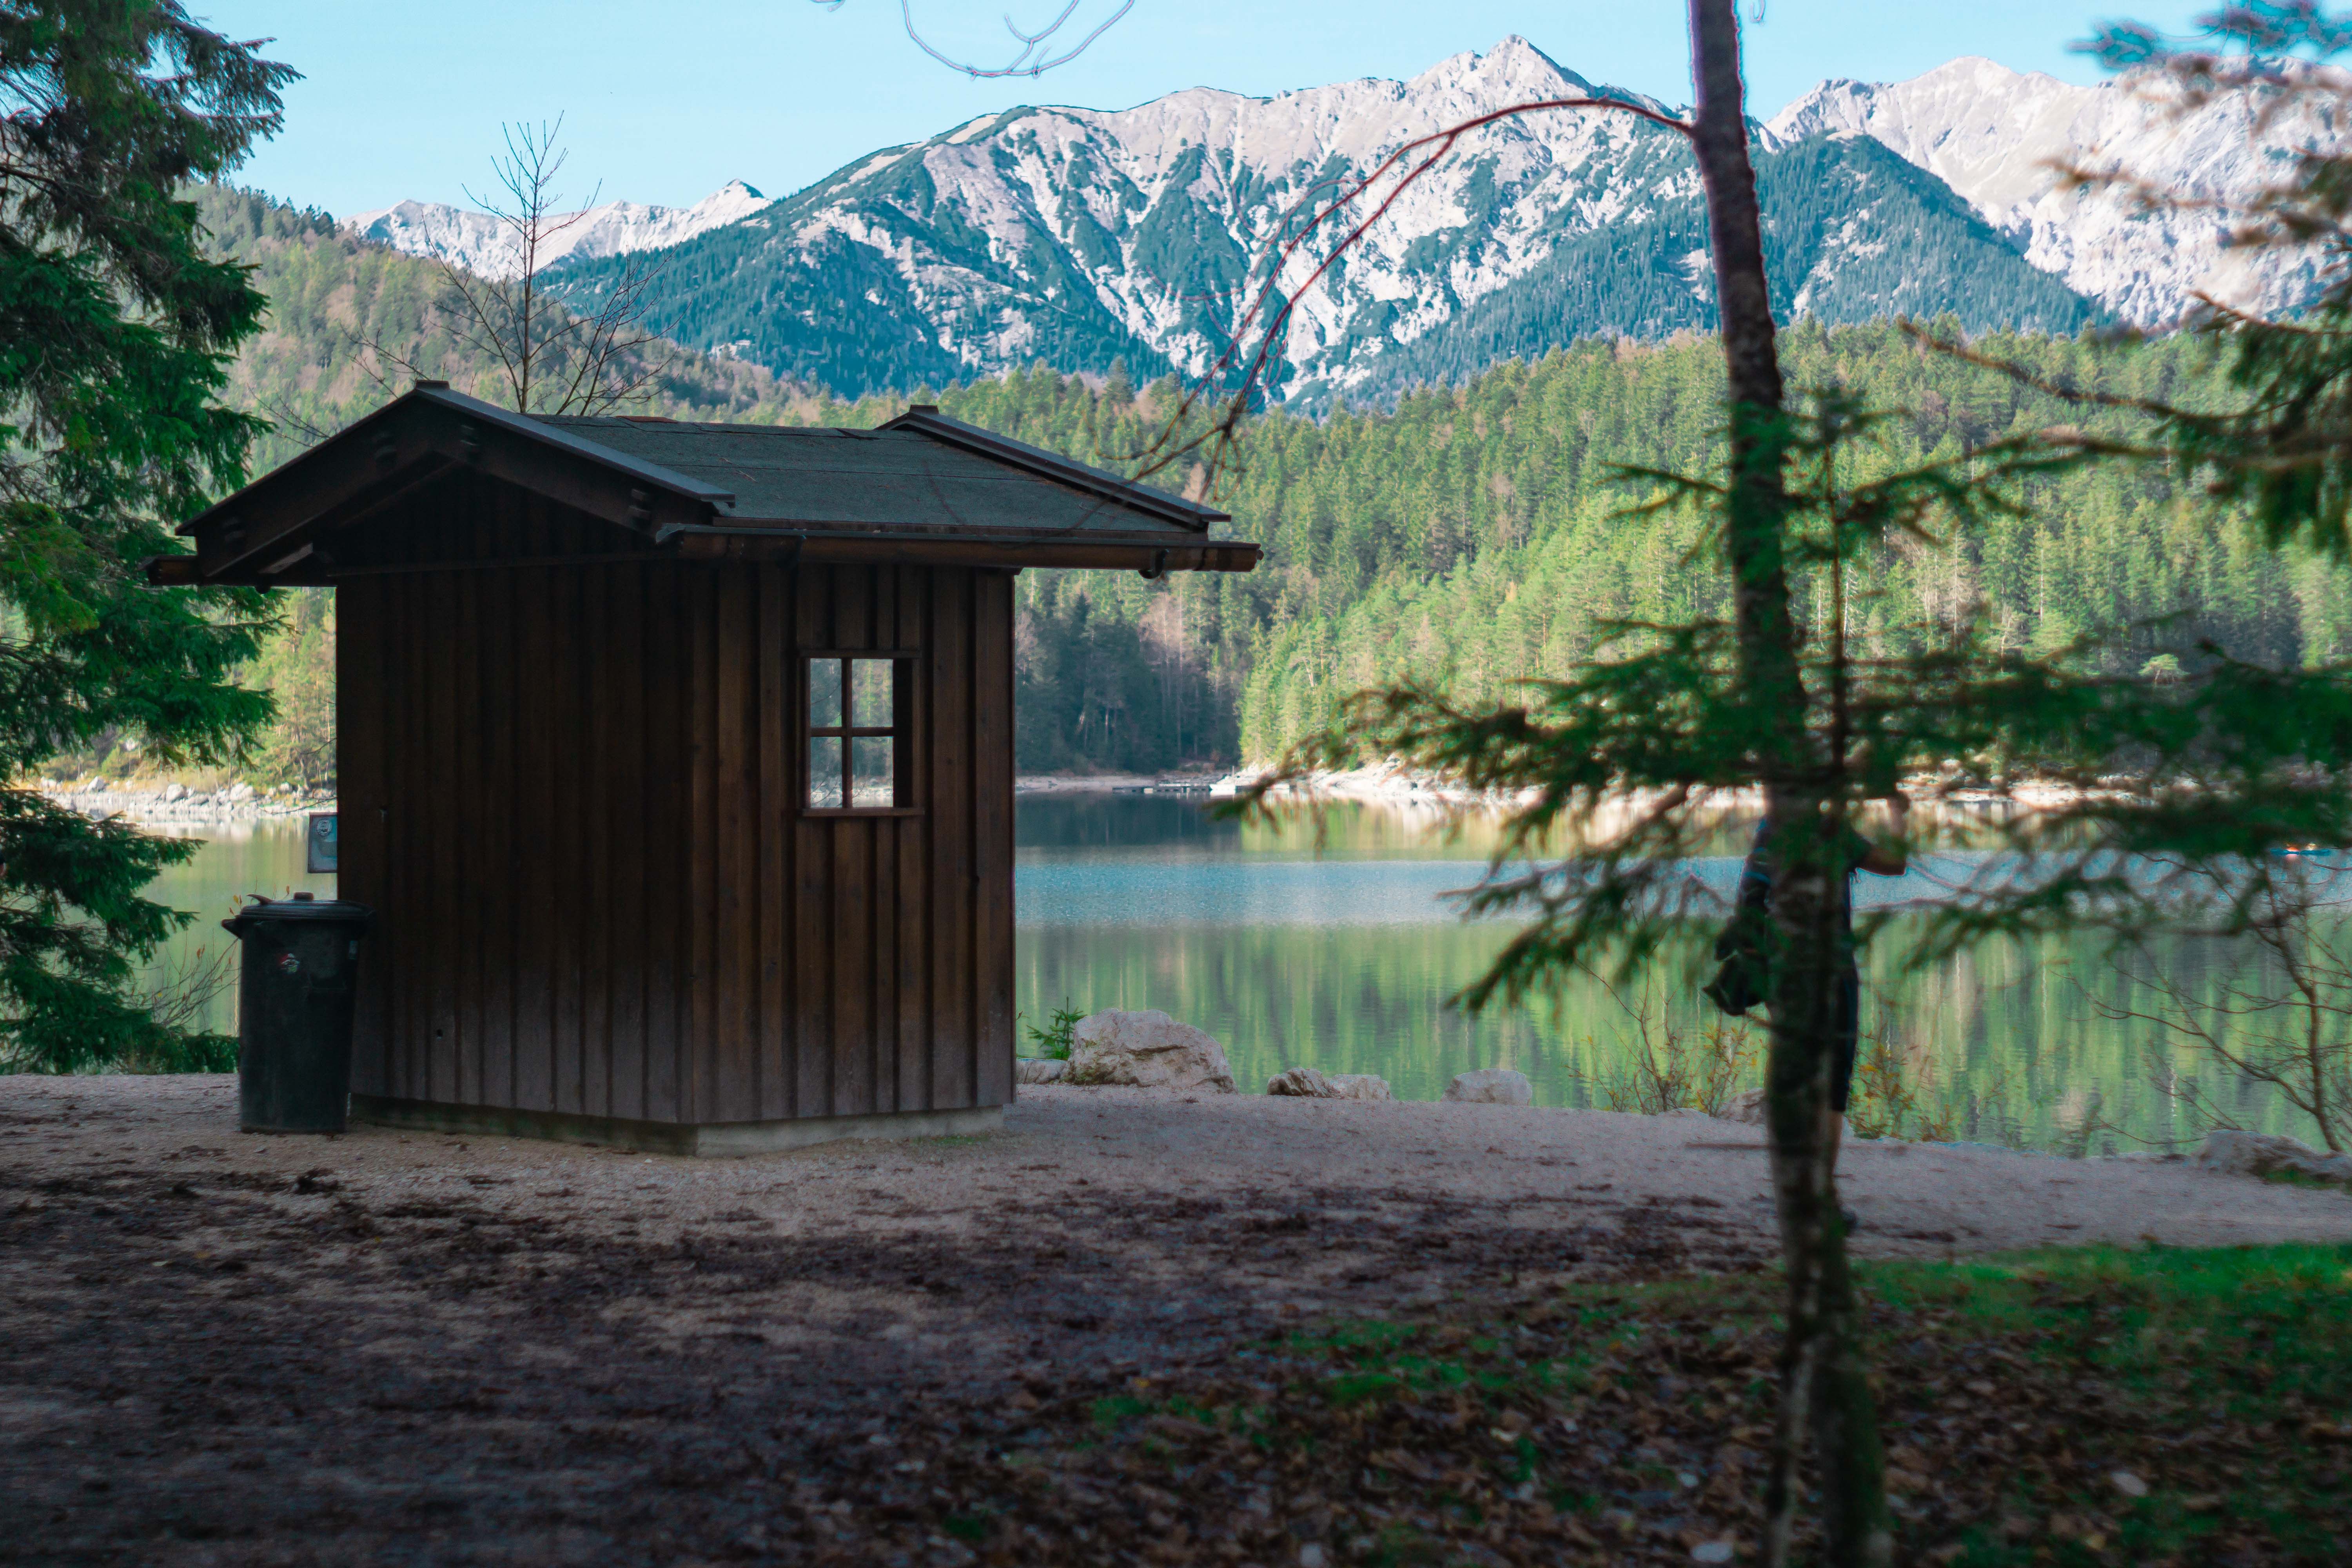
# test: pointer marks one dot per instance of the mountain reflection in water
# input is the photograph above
(1327, 941)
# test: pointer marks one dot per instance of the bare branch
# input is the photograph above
(1035, 56)
(280, 413)
(554, 359)
(1264, 324)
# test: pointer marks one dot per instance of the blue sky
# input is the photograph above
(667, 102)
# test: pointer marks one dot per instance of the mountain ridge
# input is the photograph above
(1997, 137)
(1076, 236)
(489, 248)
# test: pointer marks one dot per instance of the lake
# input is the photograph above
(1331, 944)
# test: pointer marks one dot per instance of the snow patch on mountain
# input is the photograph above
(489, 248)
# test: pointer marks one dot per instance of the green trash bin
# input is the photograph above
(294, 1011)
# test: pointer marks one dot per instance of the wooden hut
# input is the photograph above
(676, 759)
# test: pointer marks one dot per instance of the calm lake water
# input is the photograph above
(1332, 945)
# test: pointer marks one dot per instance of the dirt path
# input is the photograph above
(404, 1348)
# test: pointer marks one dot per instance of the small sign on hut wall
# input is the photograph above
(321, 841)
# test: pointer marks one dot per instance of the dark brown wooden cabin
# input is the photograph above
(676, 759)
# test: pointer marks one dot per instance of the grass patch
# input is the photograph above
(2059, 1408)
(2305, 1179)
(1058, 1038)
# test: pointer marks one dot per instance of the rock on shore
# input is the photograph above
(104, 799)
(1314, 1083)
(1147, 1050)
(2262, 1155)
(1491, 1086)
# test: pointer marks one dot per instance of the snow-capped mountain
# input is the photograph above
(483, 245)
(1074, 236)
(1996, 136)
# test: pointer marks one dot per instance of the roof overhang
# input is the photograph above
(1152, 557)
(929, 421)
(275, 530)
(280, 530)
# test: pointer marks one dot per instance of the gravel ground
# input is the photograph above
(397, 1347)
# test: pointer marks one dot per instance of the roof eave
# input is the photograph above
(427, 395)
(1153, 558)
(258, 534)
(1185, 514)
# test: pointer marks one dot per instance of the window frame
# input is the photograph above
(900, 732)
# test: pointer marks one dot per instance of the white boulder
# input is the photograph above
(240, 791)
(1147, 1050)
(1748, 1109)
(173, 792)
(1314, 1083)
(2262, 1155)
(1491, 1086)
(1039, 1069)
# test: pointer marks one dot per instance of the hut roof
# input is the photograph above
(923, 488)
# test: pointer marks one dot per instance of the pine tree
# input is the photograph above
(1793, 677)
(116, 335)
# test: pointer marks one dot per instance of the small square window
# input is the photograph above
(856, 744)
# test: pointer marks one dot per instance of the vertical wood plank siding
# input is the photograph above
(572, 792)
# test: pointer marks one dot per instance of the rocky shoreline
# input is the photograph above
(1148, 1050)
(1392, 784)
(175, 805)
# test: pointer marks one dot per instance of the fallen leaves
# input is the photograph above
(1625, 1425)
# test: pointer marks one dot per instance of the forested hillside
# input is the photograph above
(352, 322)
(1472, 532)
(349, 325)
(1476, 535)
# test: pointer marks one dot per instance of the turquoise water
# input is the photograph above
(238, 859)
(1331, 943)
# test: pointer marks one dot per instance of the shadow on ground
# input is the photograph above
(217, 1365)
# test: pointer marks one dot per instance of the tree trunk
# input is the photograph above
(1824, 1387)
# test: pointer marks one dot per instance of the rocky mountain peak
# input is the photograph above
(484, 245)
(2001, 139)
(1513, 66)
(1074, 236)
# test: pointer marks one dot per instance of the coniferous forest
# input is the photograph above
(1480, 533)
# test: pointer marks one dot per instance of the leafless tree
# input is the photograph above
(182, 989)
(2278, 1011)
(557, 352)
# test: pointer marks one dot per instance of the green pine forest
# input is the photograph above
(1475, 533)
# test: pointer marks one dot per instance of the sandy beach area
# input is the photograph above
(383, 1346)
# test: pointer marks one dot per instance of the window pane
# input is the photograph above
(870, 696)
(824, 772)
(824, 695)
(873, 782)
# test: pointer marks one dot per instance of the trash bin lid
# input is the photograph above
(301, 908)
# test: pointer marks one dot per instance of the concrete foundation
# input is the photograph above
(716, 1138)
